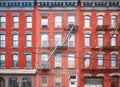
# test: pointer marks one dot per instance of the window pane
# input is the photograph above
(58, 21)
(100, 20)
(87, 21)
(28, 60)
(71, 61)
(44, 81)
(44, 59)
(58, 60)
(71, 41)
(44, 22)
(13, 82)
(87, 60)
(113, 60)
(100, 60)
(2, 40)
(87, 40)
(26, 82)
(100, 40)
(15, 22)
(29, 22)
(2, 22)
(113, 40)
(113, 21)
(15, 40)
(44, 40)
(58, 40)
(2, 60)
(28, 40)
(15, 60)
(71, 21)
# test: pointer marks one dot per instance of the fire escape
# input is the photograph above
(105, 47)
(70, 29)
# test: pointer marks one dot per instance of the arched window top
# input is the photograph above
(100, 16)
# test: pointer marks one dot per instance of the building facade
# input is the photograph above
(65, 43)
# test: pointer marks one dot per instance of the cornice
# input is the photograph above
(100, 4)
(16, 4)
(57, 4)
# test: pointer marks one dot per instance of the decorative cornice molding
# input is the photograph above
(16, 4)
(57, 4)
(100, 4)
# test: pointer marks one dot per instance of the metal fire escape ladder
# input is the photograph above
(106, 45)
(55, 49)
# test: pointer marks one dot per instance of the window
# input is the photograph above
(87, 21)
(44, 60)
(44, 40)
(28, 60)
(28, 40)
(115, 81)
(71, 60)
(44, 22)
(71, 40)
(71, 20)
(87, 60)
(100, 59)
(15, 60)
(13, 82)
(58, 21)
(113, 40)
(100, 40)
(15, 40)
(15, 22)
(58, 60)
(26, 82)
(87, 40)
(2, 40)
(57, 81)
(2, 21)
(2, 60)
(44, 81)
(113, 21)
(113, 60)
(58, 41)
(100, 20)
(28, 21)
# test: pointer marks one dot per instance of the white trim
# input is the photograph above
(114, 13)
(114, 74)
(17, 71)
(114, 52)
(100, 75)
(100, 13)
(100, 32)
(87, 13)
(87, 75)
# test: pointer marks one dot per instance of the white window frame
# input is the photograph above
(113, 60)
(28, 40)
(87, 60)
(15, 60)
(100, 20)
(2, 21)
(15, 40)
(71, 60)
(28, 60)
(57, 81)
(2, 40)
(15, 21)
(2, 60)
(87, 21)
(45, 84)
(58, 40)
(44, 22)
(44, 40)
(58, 60)
(87, 40)
(71, 20)
(100, 40)
(100, 60)
(58, 21)
(114, 40)
(44, 59)
(71, 40)
(113, 21)
(28, 21)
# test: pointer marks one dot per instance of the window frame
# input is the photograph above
(15, 40)
(86, 60)
(87, 40)
(71, 60)
(100, 60)
(44, 40)
(113, 60)
(16, 22)
(100, 40)
(2, 40)
(71, 20)
(71, 39)
(2, 21)
(100, 21)
(86, 21)
(113, 19)
(28, 60)
(15, 60)
(28, 21)
(28, 40)
(2, 60)
(44, 22)
(58, 21)
(58, 60)
(114, 40)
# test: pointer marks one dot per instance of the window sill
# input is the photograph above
(87, 28)
(15, 46)
(58, 28)
(71, 67)
(44, 28)
(28, 28)
(28, 47)
(15, 28)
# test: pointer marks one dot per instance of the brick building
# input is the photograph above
(65, 43)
